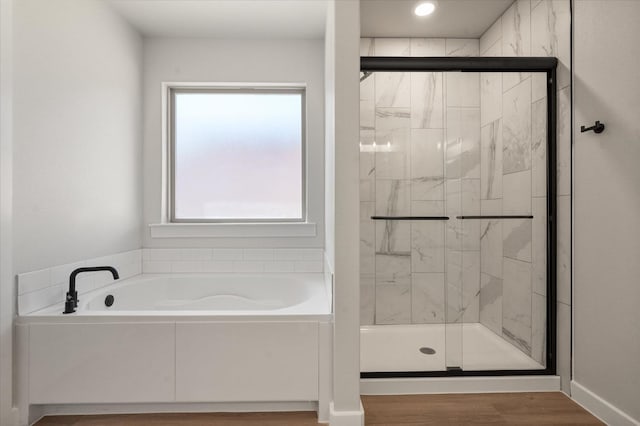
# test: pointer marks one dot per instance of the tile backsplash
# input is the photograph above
(232, 260)
(46, 287)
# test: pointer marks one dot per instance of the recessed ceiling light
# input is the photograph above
(425, 8)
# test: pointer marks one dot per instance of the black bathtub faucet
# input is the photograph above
(71, 301)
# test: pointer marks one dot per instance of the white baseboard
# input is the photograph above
(436, 385)
(346, 418)
(600, 408)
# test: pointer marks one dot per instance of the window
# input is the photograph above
(237, 154)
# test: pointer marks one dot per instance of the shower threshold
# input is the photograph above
(393, 348)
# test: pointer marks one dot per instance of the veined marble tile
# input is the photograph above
(512, 79)
(367, 156)
(392, 46)
(516, 129)
(516, 38)
(491, 247)
(470, 197)
(366, 46)
(453, 279)
(517, 239)
(393, 237)
(462, 47)
(563, 263)
(516, 304)
(427, 208)
(563, 141)
(491, 160)
(539, 148)
(427, 246)
(490, 97)
(393, 197)
(551, 35)
(453, 197)
(463, 89)
(470, 207)
(393, 303)
(490, 38)
(539, 245)
(538, 86)
(367, 104)
(471, 286)
(427, 298)
(367, 189)
(539, 328)
(393, 89)
(367, 238)
(427, 47)
(392, 150)
(516, 29)
(463, 143)
(453, 208)
(367, 299)
(491, 207)
(516, 193)
(427, 101)
(427, 164)
(491, 303)
(393, 268)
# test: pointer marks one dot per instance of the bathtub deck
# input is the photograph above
(552, 408)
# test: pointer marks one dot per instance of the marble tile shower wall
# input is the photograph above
(420, 156)
(513, 167)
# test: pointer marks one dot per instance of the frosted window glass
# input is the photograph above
(238, 156)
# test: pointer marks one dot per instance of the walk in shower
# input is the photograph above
(457, 190)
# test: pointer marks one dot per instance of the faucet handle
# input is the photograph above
(69, 306)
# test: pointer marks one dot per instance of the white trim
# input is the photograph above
(439, 385)
(232, 230)
(168, 116)
(346, 418)
(602, 409)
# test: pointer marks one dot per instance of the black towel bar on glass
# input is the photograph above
(410, 217)
(495, 217)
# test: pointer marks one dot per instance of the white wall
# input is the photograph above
(217, 60)
(77, 151)
(7, 287)
(343, 68)
(607, 206)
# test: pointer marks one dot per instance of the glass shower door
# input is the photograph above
(453, 205)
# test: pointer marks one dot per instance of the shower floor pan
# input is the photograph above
(388, 348)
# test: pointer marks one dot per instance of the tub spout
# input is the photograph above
(71, 300)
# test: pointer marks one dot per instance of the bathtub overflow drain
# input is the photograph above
(427, 351)
(108, 301)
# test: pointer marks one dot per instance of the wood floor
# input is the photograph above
(464, 409)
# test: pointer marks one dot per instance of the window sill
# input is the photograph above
(232, 230)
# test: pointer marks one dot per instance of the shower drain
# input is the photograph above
(427, 351)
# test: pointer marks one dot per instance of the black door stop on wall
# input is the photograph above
(597, 128)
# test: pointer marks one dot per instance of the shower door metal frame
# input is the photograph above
(547, 65)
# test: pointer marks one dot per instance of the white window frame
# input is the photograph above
(186, 228)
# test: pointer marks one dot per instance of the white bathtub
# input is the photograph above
(176, 339)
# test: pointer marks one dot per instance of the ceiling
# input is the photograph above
(274, 19)
(452, 18)
(243, 19)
